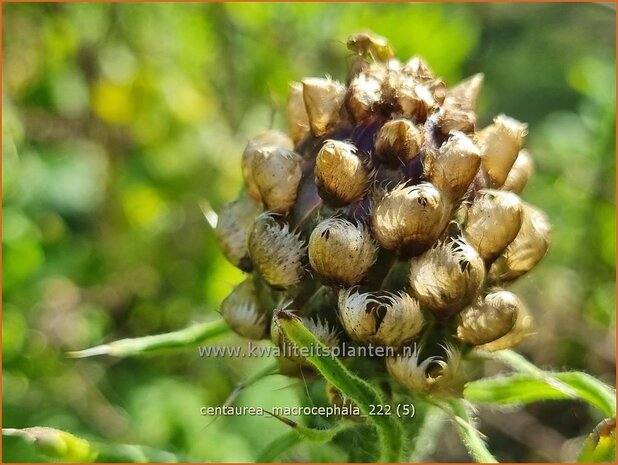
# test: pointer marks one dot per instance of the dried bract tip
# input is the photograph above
(382, 319)
(341, 252)
(418, 69)
(454, 167)
(520, 173)
(409, 219)
(434, 375)
(459, 110)
(437, 89)
(233, 228)
(341, 176)
(398, 141)
(298, 121)
(500, 143)
(453, 118)
(465, 94)
(365, 93)
(447, 277)
(493, 222)
(527, 249)
(323, 100)
(417, 100)
(523, 327)
(270, 138)
(241, 310)
(277, 253)
(489, 319)
(277, 173)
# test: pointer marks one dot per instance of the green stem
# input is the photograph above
(176, 339)
(389, 273)
(318, 293)
(424, 430)
(390, 431)
(514, 360)
(469, 434)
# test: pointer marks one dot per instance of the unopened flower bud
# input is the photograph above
(418, 69)
(523, 327)
(437, 89)
(454, 167)
(489, 318)
(298, 121)
(500, 143)
(409, 219)
(365, 93)
(277, 173)
(277, 253)
(410, 103)
(341, 252)
(526, 250)
(447, 277)
(241, 311)
(453, 118)
(434, 375)
(341, 176)
(266, 138)
(323, 100)
(233, 228)
(382, 319)
(494, 219)
(520, 173)
(466, 93)
(398, 141)
(458, 113)
(418, 99)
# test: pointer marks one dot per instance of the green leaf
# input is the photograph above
(511, 389)
(591, 390)
(390, 431)
(600, 446)
(469, 434)
(534, 384)
(186, 337)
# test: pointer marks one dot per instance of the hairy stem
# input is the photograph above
(469, 434)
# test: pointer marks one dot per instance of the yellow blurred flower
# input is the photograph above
(113, 103)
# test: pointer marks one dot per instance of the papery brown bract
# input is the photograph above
(341, 252)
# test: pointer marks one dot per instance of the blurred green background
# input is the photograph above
(119, 119)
